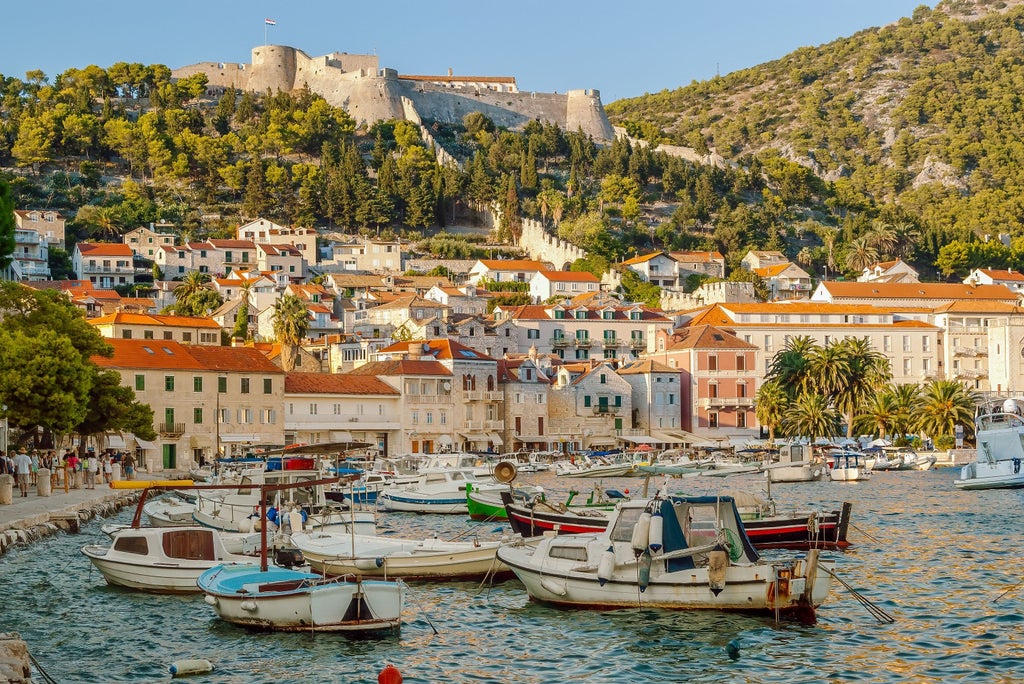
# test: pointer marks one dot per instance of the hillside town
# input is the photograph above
(417, 364)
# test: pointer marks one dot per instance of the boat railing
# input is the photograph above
(994, 421)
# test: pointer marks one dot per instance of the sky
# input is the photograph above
(620, 48)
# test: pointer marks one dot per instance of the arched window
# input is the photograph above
(490, 383)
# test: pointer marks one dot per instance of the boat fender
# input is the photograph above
(211, 600)
(644, 570)
(657, 533)
(245, 525)
(248, 606)
(641, 533)
(718, 561)
(183, 668)
(607, 566)
(553, 587)
(1016, 466)
(295, 521)
(389, 675)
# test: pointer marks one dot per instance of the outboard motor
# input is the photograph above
(289, 558)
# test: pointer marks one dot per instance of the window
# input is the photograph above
(906, 343)
(741, 362)
(713, 389)
(607, 315)
(147, 334)
(169, 383)
(908, 366)
(197, 383)
(712, 362)
(312, 409)
(926, 344)
(586, 400)
(140, 383)
(415, 415)
(126, 334)
(618, 400)
(604, 379)
(713, 419)
(186, 337)
(741, 389)
(222, 385)
(581, 315)
(430, 417)
(245, 386)
(887, 343)
(268, 385)
(741, 419)
(443, 417)
(197, 416)
(531, 334)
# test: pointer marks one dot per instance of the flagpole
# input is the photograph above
(265, 43)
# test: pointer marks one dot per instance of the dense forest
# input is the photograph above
(895, 142)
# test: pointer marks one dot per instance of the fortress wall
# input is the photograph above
(274, 68)
(218, 74)
(543, 246)
(367, 98)
(584, 111)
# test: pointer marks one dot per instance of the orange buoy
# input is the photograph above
(389, 675)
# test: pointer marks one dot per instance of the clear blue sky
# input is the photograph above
(623, 49)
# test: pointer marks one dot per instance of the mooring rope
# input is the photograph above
(876, 612)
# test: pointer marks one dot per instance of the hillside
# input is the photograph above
(924, 114)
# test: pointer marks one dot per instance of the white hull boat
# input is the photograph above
(288, 600)
(340, 554)
(849, 466)
(1000, 438)
(169, 511)
(435, 491)
(162, 559)
(797, 463)
(698, 558)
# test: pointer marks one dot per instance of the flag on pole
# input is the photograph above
(270, 22)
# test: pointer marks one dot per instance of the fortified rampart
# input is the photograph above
(369, 93)
(543, 246)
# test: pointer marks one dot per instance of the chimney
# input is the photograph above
(449, 72)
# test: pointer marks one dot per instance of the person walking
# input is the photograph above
(92, 468)
(129, 467)
(23, 469)
(108, 469)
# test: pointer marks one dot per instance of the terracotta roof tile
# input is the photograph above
(641, 259)
(170, 355)
(570, 276)
(336, 383)
(127, 318)
(400, 367)
(918, 291)
(514, 265)
(104, 249)
(707, 337)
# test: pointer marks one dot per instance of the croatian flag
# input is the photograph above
(270, 22)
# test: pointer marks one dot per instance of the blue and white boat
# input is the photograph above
(283, 599)
(435, 491)
(1000, 436)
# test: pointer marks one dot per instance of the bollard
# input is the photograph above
(6, 490)
(79, 479)
(115, 472)
(43, 482)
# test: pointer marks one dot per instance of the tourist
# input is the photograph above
(108, 469)
(35, 465)
(92, 468)
(23, 468)
(129, 467)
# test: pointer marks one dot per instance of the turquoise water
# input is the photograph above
(938, 561)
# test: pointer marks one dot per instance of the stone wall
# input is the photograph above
(543, 246)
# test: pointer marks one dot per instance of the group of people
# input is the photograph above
(24, 466)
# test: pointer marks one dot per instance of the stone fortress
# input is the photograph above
(370, 94)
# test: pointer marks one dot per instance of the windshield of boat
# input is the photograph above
(623, 530)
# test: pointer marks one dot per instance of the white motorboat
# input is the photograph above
(342, 554)
(593, 466)
(435, 491)
(1000, 436)
(163, 560)
(238, 510)
(677, 552)
(284, 599)
(902, 458)
(849, 466)
(169, 511)
(797, 463)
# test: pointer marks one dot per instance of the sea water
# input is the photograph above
(943, 562)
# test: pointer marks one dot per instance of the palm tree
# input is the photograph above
(882, 236)
(907, 235)
(943, 405)
(770, 404)
(790, 367)
(860, 254)
(811, 416)
(867, 374)
(193, 297)
(828, 369)
(291, 321)
(878, 415)
(905, 399)
(241, 329)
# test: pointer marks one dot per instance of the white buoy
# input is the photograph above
(183, 668)
(641, 533)
(607, 566)
(657, 532)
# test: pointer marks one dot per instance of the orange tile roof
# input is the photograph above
(233, 244)
(540, 312)
(570, 276)
(513, 265)
(774, 270)
(805, 307)
(989, 306)
(171, 355)
(127, 318)
(707, 337)
(644, 366)
(401, 367)
(706, 257)
(104, 249)
(994, 274)
(443, 349)
(641, 259)
(918, 290)
(336, 383)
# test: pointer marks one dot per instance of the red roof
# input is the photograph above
(571, 276)
(170, 355)
(513, 265)
(104, 249)
(918, 290)
(401, 367)
(336, 383)
(126, 318)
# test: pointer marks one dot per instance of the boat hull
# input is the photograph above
(411, 503)
(295, 601)
(157, 579)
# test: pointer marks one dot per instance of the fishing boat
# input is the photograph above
(1000, 436)
(343, 554)
(170, 511)
(435, 491)
(164, 560)
(849, 466)
(797, 463)
(537, 516)
(902, 458)
(593, 466)
(286, 599)
(685, 553)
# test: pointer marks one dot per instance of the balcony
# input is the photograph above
(604, 409)
(171, 429)
(638, 343)
(610, 343)
(972, 373)
(584, 342)
(560, 342)
(725, 402)
(969, 351)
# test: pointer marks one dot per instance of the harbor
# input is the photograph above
(939, 560)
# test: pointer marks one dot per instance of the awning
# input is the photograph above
(593, 441)
(495, 439)
(114, 440)
(639, 439)
(684, 437)
(240, 437)
(341, 436)
(200, 441)
(144, 444)
(444, 439)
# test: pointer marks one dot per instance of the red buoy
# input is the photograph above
(389, 675)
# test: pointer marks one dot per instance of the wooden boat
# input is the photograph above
(166, 560)
(342, 554)
(488, 504)
(284, 599)
(685, 553)
(1000, 437)
(766, 529)
(435, 491)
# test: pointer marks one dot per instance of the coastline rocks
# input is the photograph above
(63, 521)
(15, 666)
